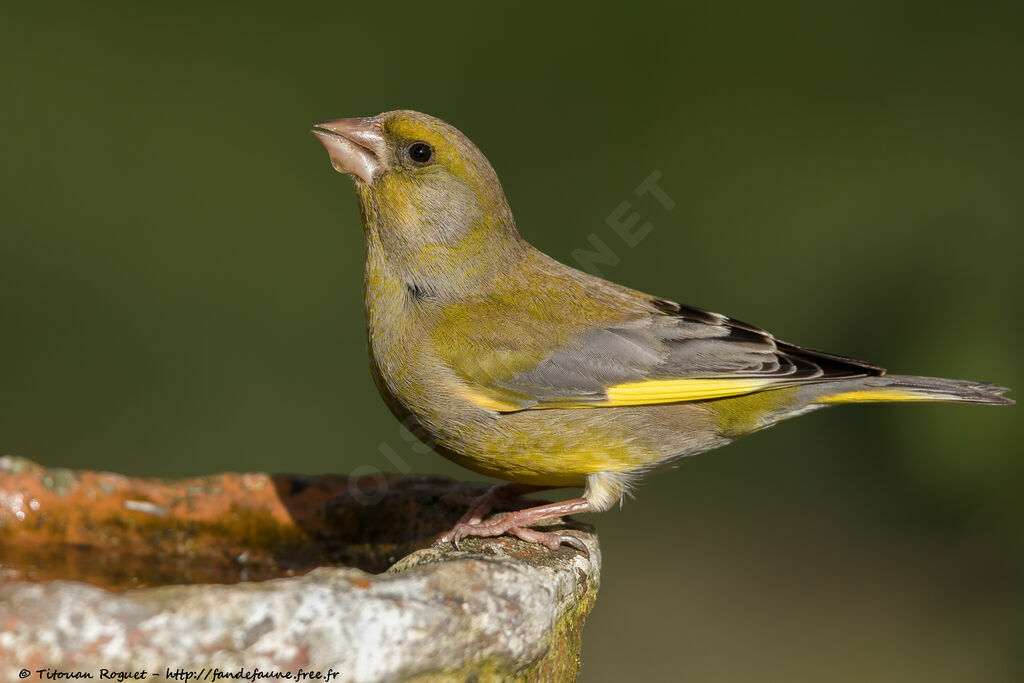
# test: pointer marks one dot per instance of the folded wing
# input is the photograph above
(677, 353)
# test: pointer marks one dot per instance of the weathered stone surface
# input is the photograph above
(496, 609)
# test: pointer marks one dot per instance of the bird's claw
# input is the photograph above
(457, 533)
(575, 542)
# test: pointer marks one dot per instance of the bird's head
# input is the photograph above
(423, 187)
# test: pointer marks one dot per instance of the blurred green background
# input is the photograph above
(180, 275)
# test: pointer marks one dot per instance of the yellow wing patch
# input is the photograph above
(675, 390)
(655, 391)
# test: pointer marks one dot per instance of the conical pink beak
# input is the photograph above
(356, 146)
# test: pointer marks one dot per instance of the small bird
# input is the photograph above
(524, 369)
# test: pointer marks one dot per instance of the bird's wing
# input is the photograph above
(673, 354)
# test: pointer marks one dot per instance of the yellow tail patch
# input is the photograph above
(879, 395)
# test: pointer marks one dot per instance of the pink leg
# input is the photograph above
(517, 523)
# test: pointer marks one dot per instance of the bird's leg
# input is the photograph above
(518, 524)
(498, 496)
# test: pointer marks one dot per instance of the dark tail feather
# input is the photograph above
(910, 388)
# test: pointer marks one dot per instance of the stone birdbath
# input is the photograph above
(262, 577)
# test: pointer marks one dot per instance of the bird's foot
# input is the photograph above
(518, 524)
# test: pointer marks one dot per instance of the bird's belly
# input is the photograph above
(561, 447)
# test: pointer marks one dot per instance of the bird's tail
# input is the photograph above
(910, 388)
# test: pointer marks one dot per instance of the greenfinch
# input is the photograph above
(524, 369)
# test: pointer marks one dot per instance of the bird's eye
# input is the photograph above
(420, 152)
